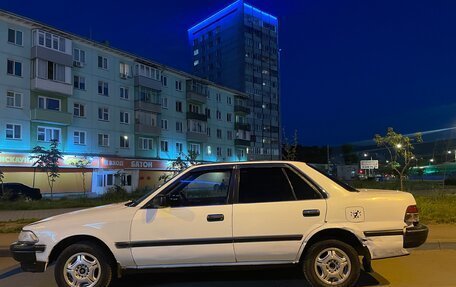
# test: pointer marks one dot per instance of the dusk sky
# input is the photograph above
(349, 69)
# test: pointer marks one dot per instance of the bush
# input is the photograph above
(116, 193)
(9, 195)
(450, 181)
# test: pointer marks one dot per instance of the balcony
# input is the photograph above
(196, 97)
(51, 86)
(51, 116)
(241, 142)
(241, 109)
(196, 137)
(148, 82)
(240, 126)
(51, 55)
(150, 107)
(147, 130)
(196, 116)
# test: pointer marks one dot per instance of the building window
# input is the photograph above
(228, 117)
(103, 88)
(79, 82)
(219, 151)
(195, 63)
(164, 146)
(13, 99)
(50, 71)
(102, 62)
(124, 117)
(228, 100)
(146, 71)
(229, 135)
(178, 85)
(164, 102)
(229, 152)
(124, 93)
(218, 97)
(208, 113)
(79, 137)
(146, 143)
(178, 106)
(219, 133)
(164, 124)
(179, 148)
(13, 131)
(219, 115)
(208, 132)
(195, 52)
(103, 140)
(14, 68)
(46, 134)
(15, 37)
(46, 103)
(179, 127)
(49, 40)
(79, 56)
(124, 142)
(193, 108)
(195, 148)
(103, 114)
(164, 80)
(78, 110)
(125, 70)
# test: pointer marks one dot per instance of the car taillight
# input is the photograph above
(412, 216)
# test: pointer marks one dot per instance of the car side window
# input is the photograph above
(210, 187)
(302, 189)
(268, 184)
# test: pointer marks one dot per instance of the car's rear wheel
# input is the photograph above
(83, 265)
(331, 263)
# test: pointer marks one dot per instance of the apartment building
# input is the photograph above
(127, 114)
(238, 47)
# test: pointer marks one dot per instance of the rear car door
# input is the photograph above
(195, 229)
(275, 207)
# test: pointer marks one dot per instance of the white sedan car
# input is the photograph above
(229, 214)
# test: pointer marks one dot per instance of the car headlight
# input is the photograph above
(27, 236)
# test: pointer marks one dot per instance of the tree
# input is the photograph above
(47, 160)
(82, 163)
(2, 176)
(400, 149)
(290, 150)
(182, 162)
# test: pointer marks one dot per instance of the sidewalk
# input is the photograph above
(7, 215)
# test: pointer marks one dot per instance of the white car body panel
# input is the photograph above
(356, 212)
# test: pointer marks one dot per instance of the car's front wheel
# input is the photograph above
(331, 263)
(83, 265)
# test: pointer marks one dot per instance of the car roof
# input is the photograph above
(265, 162)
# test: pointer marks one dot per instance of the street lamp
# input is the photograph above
(399, 145)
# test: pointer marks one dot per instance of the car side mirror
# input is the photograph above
(160, 201)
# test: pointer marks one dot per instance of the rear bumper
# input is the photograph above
(26, 255)
(415, 236)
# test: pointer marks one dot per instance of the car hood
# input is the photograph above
(104, 213)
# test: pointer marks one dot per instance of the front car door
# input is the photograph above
(275, 207)
(195, 229)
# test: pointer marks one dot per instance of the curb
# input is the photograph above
(5, 252)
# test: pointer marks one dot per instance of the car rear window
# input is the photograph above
(339, 182)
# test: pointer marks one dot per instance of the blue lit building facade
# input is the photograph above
(238, 47)
(129, 115)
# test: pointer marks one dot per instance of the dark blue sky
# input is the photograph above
(349, 69)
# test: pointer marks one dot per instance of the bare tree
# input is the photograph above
(290, 151)
(82, 164)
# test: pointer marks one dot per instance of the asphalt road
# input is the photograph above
(422, 268)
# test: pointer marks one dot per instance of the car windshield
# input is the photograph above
(339, 182)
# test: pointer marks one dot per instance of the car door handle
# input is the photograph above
(311, 212)
(215, 217)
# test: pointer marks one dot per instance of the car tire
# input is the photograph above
(331, 263)
(83, 262)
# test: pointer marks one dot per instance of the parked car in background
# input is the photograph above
(19, 190)
(229, 214)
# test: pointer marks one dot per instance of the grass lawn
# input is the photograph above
(15, 226)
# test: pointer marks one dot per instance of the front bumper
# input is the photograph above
(25, 253)
(415, 236)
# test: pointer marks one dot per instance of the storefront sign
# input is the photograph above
(121, 163)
